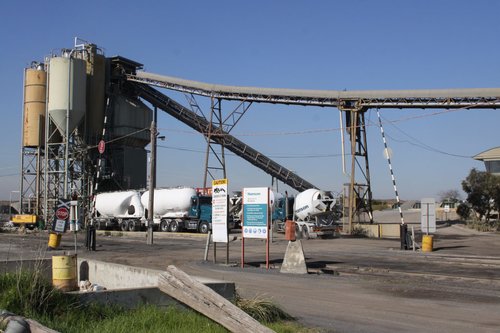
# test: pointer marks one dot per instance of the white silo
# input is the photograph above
(67, 92)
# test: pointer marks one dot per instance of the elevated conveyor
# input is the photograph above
(488, 98)
(353, 103)
(234, 145)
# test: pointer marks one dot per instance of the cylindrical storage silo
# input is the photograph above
(35, 88)
(67, 92)
(96, 89)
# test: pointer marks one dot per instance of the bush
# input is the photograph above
(263, 310)
(359, 231)
(463, 210)
(28, 293)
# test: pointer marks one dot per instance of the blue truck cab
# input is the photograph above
(200, 214)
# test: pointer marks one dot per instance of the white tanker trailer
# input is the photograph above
(121, 209)
(175, 209)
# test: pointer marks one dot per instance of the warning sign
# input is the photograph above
(62, 213)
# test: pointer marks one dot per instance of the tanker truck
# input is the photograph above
(314, 212)
(175, 209)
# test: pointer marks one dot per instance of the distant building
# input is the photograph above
(491, 159)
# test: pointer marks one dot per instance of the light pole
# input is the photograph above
(152, 180)
(10, 204)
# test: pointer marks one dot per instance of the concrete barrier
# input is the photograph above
(389, 230)
(123, 283)
(371, 230)
(116, 276)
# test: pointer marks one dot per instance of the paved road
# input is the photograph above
(375, 287)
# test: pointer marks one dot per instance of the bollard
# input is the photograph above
(403, 234)
(90, 240)
(427, 243)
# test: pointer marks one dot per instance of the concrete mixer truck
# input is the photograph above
(314, 212)
(175, 209)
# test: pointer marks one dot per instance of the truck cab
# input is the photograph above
(200, 214)
(282, 211)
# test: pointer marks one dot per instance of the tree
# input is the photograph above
(463, 210)
(483, 192)
(450, 195)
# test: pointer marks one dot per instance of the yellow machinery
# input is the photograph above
(29, 221)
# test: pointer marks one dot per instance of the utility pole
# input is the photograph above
(152, 179)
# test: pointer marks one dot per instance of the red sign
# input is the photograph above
(101, 146)
(204, 190)
(62, 213)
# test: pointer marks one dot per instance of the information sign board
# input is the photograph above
(219, 211)
(255, 212)
(428, 215)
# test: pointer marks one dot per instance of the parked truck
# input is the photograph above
(175, 209)
(315, 213)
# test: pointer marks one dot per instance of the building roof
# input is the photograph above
(492, 154)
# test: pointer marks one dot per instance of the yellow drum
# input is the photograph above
(64, 272)
(427, 242)
(54, 240)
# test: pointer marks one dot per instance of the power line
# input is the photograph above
(321, 130)
(295, 156)
(417, 143)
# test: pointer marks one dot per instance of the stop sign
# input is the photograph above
(101, 146)
(62, 213)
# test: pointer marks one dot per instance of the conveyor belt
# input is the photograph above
(234, 145)
(488, 98)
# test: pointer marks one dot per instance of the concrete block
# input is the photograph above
(389, 230)
(294, 261)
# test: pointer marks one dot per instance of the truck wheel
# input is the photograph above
(204, 227)
(124, 226)
(174, 226)
(305, 232)
(298, 233)
(164, 226)
(131, 226)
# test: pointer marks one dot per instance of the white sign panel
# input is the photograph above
(428, 215)
(255, 212)
(219, 210)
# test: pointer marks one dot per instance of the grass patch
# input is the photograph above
(262, 309)
(149, 318)
(29, 294)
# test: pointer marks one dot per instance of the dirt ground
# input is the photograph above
(353, 285)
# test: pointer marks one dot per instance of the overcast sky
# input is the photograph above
(340, 45)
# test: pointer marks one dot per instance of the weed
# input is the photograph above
(359, 231)
(262, 309)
